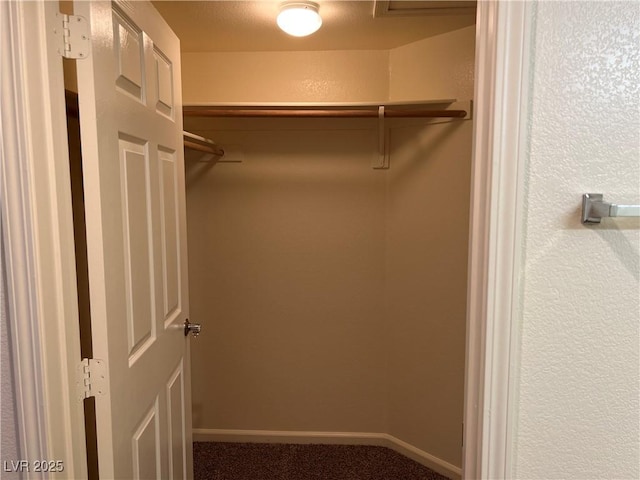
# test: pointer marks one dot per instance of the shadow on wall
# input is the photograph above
(196, 169)
(422, 148)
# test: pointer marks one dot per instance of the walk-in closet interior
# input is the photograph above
(328, 226)
(328, 256)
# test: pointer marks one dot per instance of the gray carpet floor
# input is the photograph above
(263, 461)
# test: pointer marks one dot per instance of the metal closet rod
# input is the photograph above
(201, 144)
(313, 112)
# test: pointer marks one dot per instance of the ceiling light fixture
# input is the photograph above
(299, 18)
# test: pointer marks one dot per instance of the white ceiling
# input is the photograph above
(235, 26)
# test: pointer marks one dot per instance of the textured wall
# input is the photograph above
(426, 263)
(426, 284)
(437, 67)
(286, 275)
(578, 407)
(9, 446)
(335, 76)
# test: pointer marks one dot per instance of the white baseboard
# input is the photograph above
(334, 438)
(431, 461)
(280, 436)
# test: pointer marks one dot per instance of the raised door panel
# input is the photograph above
(176, 421)
(146, 447)
(138, 245)
(163, 83)
(129, 52)
(169, 188)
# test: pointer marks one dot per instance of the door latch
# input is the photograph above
(191, 328)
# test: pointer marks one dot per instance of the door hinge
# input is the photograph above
(91, 378)
(72, 35)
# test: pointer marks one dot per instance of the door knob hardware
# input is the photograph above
(193, 328)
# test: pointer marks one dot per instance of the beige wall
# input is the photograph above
(335, 76)
(424, 69)
(437, 67)
(428, 188)
(286, 274)
(10, 442)
(333, 295)
(426, 275)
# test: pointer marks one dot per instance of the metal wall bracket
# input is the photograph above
(382, 158)
(91, 378)
(594, 208)
(72, 36)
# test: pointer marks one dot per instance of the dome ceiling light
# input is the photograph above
(299, 18)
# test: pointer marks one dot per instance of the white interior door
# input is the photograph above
(131, 128)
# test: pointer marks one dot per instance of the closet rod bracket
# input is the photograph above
(381, 160)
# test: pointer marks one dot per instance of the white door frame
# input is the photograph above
(499, 155)
(38, 242)
(40, 265)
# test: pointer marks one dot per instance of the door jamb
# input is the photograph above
(37, 238)
(500, 147)
(42, 279)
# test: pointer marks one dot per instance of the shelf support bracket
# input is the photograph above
(382, 158)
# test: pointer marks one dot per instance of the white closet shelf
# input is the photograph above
(408, 109)
(439, 101)
(428, 109)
